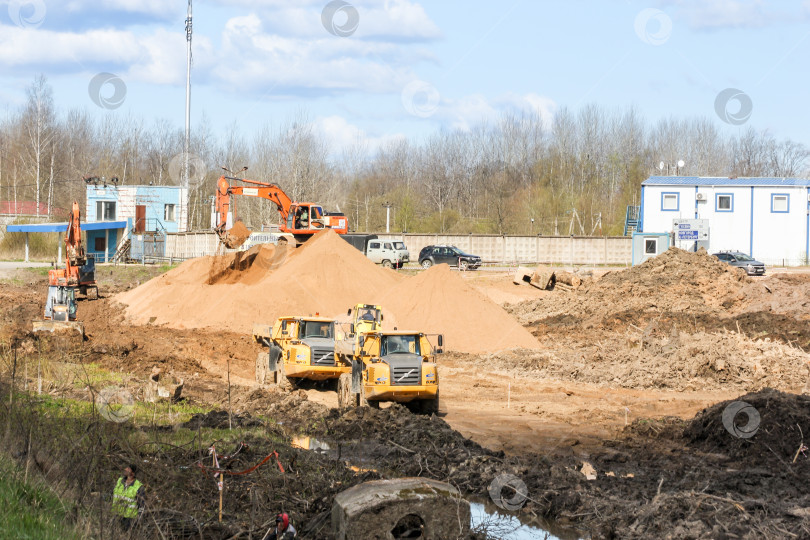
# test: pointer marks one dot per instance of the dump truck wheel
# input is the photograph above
(281, 379)
(344, 391)
(262, 367)
(374, 404)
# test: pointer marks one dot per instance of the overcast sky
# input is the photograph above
(380, 69)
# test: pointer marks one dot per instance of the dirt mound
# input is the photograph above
(233, 291)
(675, 281)
(220, 420)
(666, 359)
(326, 275)
(440, 301)
(767, 427)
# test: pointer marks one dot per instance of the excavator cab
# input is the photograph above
(305, 217)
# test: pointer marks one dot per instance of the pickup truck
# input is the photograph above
(379, 251)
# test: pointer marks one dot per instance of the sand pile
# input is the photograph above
(440, 301)
(233, 291)
(326, 276)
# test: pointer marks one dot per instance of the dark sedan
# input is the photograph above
(751, 266)
(430, 255)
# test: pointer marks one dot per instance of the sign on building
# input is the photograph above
(691, 234)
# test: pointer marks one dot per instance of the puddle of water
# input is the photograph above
(310, 443)
(484, 514)
(500, 524)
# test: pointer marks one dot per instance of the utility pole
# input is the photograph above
(186, 146)
(387, 206)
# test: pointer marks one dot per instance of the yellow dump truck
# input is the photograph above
(297, 348)
(393, 365)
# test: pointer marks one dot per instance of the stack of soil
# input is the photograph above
(769, 428)
(675, 281)
(668, 360)
(234, 291)
(682, 320)
(325, 276)
(440, 301)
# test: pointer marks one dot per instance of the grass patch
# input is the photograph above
(29, 510)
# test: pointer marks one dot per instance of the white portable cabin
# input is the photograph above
(768, 218)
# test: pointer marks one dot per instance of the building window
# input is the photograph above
(650, 246)
(724, 202)
(169, 212)
(100, 244)
(670, 202)
(105, 210)
(780, 203)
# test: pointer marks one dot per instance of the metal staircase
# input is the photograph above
(122, 254)
(631, 221)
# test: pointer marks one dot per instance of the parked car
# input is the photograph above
(451, 255)
(751, 266)
(379, 251)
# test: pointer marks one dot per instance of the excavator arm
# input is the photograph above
(264, 190)
(73, 240)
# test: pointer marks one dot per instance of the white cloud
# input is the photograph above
(717, 14)
(469, 111)
(158, 57)
(283, 65)
(275, 51)
(28, 46)
(341, 136)
(159, 8)
(381, 20)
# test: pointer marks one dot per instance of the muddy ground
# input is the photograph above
(633, 384)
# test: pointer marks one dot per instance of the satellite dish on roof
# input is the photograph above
(681, 163)
(661, 166)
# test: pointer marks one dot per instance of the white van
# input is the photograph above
(383, 252)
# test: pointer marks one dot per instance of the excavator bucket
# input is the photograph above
(235, 236)
(60, 327)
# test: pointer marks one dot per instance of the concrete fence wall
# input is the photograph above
(530, 249)
(575, 250)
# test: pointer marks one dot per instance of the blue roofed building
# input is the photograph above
(148, 211)
(768, 218)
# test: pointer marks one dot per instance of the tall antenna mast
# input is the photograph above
(185, 180)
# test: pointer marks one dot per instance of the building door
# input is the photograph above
(140, 218)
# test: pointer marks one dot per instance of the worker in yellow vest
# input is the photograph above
(128, 498)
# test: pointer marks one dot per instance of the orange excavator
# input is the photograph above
(78, 273)
(299, 220)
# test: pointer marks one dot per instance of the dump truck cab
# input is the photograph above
(296, 348)
(365, 318)
(397, 366)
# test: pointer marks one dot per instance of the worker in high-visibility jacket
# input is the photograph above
(128, 498)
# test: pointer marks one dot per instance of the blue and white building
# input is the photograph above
(148, 211)
(768, 218)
